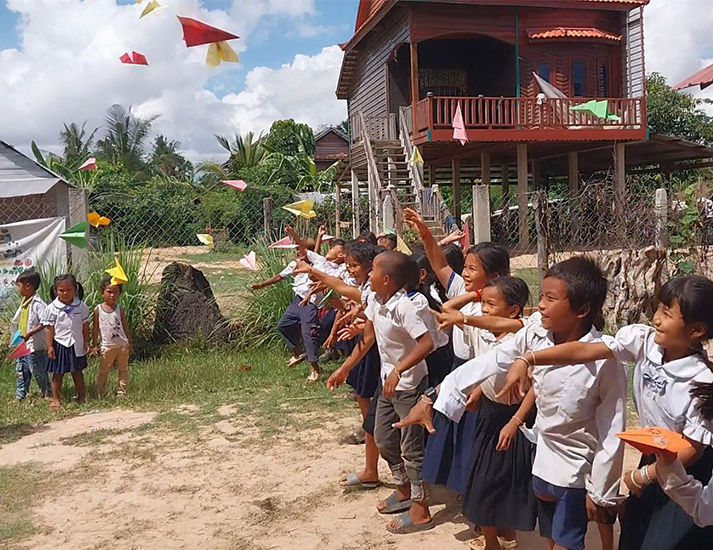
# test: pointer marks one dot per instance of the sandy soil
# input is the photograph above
(220, 486)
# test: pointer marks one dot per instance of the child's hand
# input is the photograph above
(599, 514)
(507, 435)
(51, 354)
(390, 384)
(256, 286)
(453, 237)
(447, 320)
(414, 219)
(352, 331)
(131, 349)
(290, 231)
(86, 348)
(517, 383)
(630, 484)
(473, 403)
(338, 378)
(301, 267)
(322, 231)
(667, 457)
(421, 415)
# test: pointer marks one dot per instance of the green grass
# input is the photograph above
(533, 278)
(20, 487)
(274, 395)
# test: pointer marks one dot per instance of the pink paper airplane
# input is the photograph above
(465, 241)
(134, 59)
(19, 351)
(283, 244)
(89, 165)
(240, 185)
(249, 261)
(459, 131)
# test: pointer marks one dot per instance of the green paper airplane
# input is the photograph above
(326, 298)
(76, 235)
(599, 109)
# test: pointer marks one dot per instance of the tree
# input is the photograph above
(76, 143)
(289, 138)
(245, 152)
(125, 140)
(346, 127)
(676, 114)
(165, 160)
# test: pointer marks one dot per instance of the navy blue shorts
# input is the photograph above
(563, 520)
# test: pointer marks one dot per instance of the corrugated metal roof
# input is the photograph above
(579, 34)
(20, 176)
(702, 78)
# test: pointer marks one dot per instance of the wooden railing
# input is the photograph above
(378, 128)
(504, 113)
(416, 170)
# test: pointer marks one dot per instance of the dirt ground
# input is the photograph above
(132, 482)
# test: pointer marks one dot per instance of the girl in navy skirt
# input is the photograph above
(67, 322)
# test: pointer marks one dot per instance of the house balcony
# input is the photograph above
(524, 119)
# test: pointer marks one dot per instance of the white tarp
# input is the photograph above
(30, 243)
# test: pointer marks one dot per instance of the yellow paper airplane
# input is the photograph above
(416, 158)
(95, 220)
(152, 7)
(118, 277)
(220, 51)
(206, 239)
(303, 209)
(401, 246)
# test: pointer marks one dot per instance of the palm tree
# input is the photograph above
(125, 139)
(245, 152)
(166, 161)
(77, 145)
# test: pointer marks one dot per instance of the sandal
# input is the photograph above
(508, 544)
(407, 526)
(396, 506)
(478, 543)
(352, 482)
(296, 360)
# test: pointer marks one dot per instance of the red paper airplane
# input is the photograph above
(196, 33)
(134, 59)
(19, 351)
(240, 185)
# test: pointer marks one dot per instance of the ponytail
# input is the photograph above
(704, 393)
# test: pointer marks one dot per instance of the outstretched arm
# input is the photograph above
(496, 325)
(340, 287)
(434, 253)
(339, 376)
(321, 232)
(459, 302)
(271, 281)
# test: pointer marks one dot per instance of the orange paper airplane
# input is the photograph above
(650, 440)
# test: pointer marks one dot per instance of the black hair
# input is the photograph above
(494, 257)
(703, 392)
(694, 294)
(363, 253)
(29, 277)
(309, 243)
(514, 290)
(367, 237)
(585, 284)
(79, 289)
(414, 283)
(389, 237)
(337, 242)
(454, 257)
(106, 283)
(398, 267)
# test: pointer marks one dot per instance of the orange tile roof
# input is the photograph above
(583, 33)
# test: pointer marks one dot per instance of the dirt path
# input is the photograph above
(139, 483)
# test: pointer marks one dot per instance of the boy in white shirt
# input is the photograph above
(404, 342)
(580, 408)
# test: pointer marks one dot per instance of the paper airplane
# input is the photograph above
(76, 235)
(416, 158)
(401, 246)
(16, 339)
(283, 244)
(331, 294)
(327, 238)
(240, 185)
(459, 131)
(249, 261)
(303, 209)
(649, 440)
(196, 33)
(219, 52)
(89, 165)
(465, 241)
(19, 351)
(599, 109)
(118, 277)
(206, 239)
(95, 220)
(152, 7)
(134, 59)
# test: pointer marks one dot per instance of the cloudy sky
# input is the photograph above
(59, 63)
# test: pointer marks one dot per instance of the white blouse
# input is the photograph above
(68, 322)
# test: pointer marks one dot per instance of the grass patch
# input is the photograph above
(93, 438)
(533, 277)
(20, 487)
(225, 254)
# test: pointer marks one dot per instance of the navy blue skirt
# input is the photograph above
(364, 378)
(66, 361)
(449, 451)
(440, 363)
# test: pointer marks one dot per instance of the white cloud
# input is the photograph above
(67, 70)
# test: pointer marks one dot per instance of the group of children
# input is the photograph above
(521, 412)
(57, 337)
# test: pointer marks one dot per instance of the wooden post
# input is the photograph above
(356, 222)
(485, 168)
(431, 175)
(539, 201)
(522, 189)
(338, 211)
(481, 214)
(505, 182)
(415, 88)
(267, 216)
(536, 174)
(661, 212)
(573, 172)
(573, 195)
(456, 192)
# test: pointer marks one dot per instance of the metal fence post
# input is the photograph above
(267, 216)
(539, 201)
(661, 213)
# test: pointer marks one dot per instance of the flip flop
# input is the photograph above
(296, 360)
(396, 506)
(407, 526)
(353, 483)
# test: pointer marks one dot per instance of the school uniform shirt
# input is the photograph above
(320, 263)
(580, 409)
(463, 347)
(301, 283)
(662, 390)
(397, 326)
(487, 341)
(67, 321)
(687, 492)
(34, 317)
(423, 310)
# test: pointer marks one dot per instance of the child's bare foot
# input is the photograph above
(81, 400)
(55, 405)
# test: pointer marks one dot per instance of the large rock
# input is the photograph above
(186, 308)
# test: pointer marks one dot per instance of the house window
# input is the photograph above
(544, 71)
(579, 79)
(603, 79)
